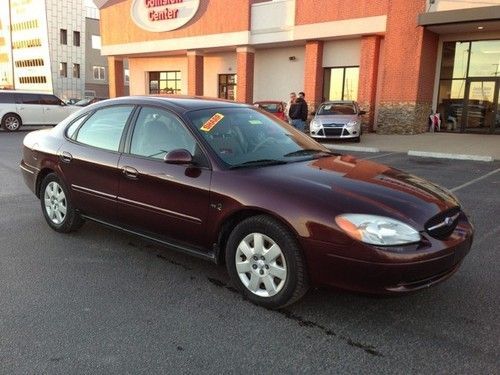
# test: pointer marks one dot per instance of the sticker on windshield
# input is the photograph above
(214, 120)
(255, 122)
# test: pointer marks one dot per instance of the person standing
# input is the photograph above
(296, 113)
(304, 111)
(293, 96)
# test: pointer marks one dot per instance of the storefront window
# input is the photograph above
(341, 83)
(165, 82)
(468, 86)
(227, 86)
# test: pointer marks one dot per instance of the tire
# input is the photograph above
(11, 122)
(277, 276)
(57, 207)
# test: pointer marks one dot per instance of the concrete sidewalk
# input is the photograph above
(482, 147)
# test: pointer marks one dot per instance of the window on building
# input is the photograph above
(76, 70)
(76, 38)
(63, 36)
(96, 41)
(227, 86)
(165, 82)
(63, 69)
(341, 83)
(127, 76)
(99, 73)
(468, 81)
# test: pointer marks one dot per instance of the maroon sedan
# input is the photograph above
(231, 184)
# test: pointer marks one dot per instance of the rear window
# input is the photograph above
(7, 97)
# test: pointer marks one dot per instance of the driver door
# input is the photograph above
(165, 200)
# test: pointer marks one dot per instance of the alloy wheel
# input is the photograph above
(55, 203)
(12, 123)
(261, 265)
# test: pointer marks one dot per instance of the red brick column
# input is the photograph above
(195, 73)
(410, 55)
(116, 79)
(245, 60)
(368, 71)
(313, 73)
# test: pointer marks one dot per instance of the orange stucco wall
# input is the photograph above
(213, 17)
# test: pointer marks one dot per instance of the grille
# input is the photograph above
(333, 131)
(443, 224)
(333, 125)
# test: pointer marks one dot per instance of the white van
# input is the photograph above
(28, 108)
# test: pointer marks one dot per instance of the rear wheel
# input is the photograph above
(265, 262)
(11, 122)
(57, 207)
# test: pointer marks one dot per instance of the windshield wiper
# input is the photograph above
(307, 151)
(259, 162)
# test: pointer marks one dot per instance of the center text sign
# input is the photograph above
(163, 15)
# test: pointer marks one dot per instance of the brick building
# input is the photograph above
(399, 59)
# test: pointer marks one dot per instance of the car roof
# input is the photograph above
(268, 101)
(26, 92)
(180, 102)
(339, 102)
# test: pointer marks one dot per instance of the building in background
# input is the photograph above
(43, 47)
(400, 59)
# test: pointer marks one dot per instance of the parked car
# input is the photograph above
(28, 108)
(337, 120)
(277, 108)
(72, 101)
(88, 101)
(232, 184)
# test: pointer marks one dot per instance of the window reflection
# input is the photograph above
(485, 59)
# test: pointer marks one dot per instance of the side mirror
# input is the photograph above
(361, 113)
(178, 156)
(313, 113)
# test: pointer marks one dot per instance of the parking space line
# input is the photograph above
(379, 156)
(475, 180)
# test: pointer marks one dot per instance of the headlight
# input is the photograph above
(377, 230)
(315, 124)
(350, 124)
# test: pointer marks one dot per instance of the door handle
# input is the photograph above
(66, 157)
(130, 172)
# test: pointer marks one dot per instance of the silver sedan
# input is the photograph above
(337, 120)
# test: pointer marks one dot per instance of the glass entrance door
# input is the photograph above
(481, 106)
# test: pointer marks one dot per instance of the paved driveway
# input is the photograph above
(100, 301)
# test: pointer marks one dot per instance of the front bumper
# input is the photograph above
(390, 272)
(335, 133)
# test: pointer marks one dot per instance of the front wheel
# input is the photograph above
(57, 207)
(265, 262)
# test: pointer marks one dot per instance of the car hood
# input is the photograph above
(335, 119)
(344, 184)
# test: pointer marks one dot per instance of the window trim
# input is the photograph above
(93, 112)
(186, 125)
(344, 69)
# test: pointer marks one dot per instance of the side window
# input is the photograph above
(30, 99)
(6, 97)
(157, 132)
(71, 130)
(50, 100)
(105, 127)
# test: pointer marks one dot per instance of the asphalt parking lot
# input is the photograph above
(100, 301)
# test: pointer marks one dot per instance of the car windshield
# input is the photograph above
(270, 107)
(337, 109)
(249, 137)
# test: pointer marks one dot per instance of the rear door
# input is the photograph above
(30, 108)
(163, 199)
(89, 161)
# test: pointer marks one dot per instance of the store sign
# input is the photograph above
(163, 15)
